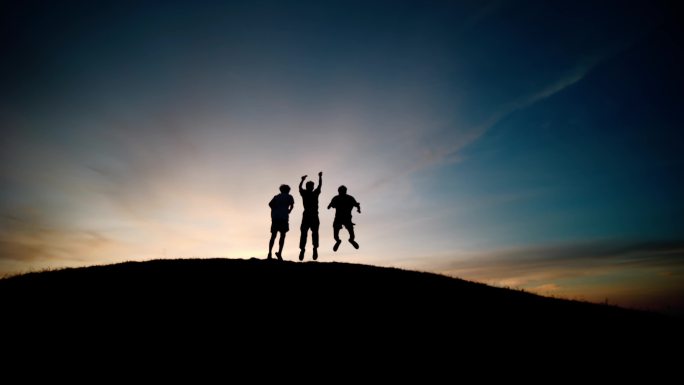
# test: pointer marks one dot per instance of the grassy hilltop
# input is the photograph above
(339, 303)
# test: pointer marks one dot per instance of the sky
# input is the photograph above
(527, 144)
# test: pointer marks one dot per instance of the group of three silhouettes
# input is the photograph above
(282, 204)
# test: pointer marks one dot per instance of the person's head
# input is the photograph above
(342, 190)
(284, 188)
(309, 185)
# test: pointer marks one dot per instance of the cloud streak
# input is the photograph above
(593, 270)
(512, 261)
(449, 152)
(460, 136)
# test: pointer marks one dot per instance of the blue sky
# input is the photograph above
(528, 144)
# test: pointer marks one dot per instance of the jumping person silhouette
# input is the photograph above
(281, 205)
(343, 205)
(310, 216)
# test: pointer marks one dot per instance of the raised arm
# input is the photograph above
(320, 181)
(301, 182)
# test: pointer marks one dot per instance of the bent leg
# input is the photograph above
(350, 227)
(336, 234)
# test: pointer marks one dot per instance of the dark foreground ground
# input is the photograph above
(322, 308)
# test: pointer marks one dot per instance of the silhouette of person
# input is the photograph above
(281, 205)
(310, 216)
(343, 205)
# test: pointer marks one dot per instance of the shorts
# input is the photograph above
(280, 225)
(338, 223)
(309, 222)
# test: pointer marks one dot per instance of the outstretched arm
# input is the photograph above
(331, 203)
(320, 181)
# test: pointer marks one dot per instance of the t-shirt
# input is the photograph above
(310, 200)
(344, 205)
(280, 205)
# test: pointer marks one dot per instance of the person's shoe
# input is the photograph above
(353, 242)
(315, 254)
(269, 257)
(280, 257)
(301, 255)
(337, 244)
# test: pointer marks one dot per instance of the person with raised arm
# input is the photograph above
(310, 216)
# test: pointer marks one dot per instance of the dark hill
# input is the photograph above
(341, 304)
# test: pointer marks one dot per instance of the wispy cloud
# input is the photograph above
(600, 268)
(450, 151)
(567, 260)
(30, 240)
(459, 137)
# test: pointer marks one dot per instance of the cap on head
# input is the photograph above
(284, 188)
(342, 189)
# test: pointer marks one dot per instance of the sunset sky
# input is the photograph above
(529, 144)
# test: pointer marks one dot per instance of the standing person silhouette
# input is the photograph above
(310, 216)
(343, 205)
(281, 205)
